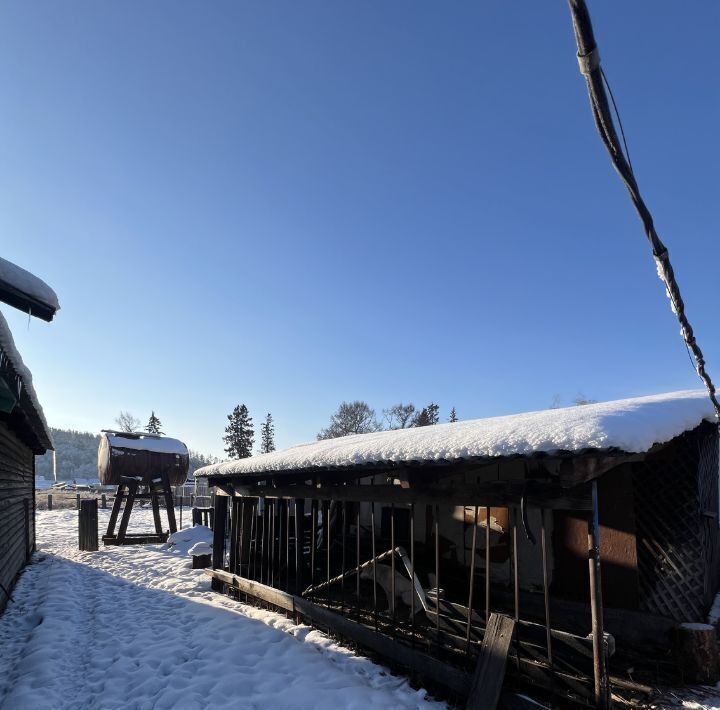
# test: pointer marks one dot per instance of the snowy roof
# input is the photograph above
(629, 425)
(145, 442)
(23, 290)
(24, 385)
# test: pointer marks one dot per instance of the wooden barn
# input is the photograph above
(24, 433)
(586, 535)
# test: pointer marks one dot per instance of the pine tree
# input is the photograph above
(267, 433)
(453, 415)
(239, 433)
(153, 425)
(428, 415)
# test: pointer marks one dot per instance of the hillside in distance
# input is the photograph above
(76, 453)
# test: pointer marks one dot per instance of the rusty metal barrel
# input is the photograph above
(147, 456)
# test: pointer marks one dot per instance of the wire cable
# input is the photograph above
(589, 61)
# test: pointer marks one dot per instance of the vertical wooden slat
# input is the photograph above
(412, 564)
(357, 559)
(437, 569)
(374, 564)
(473, 550)
(487, 565)
(299, 536)
(546, 587)
(343, 562)
(392, 563)
(326, 535)
(602, 695)
(218, 554)
(313, 542)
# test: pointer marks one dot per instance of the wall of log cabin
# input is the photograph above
(17, 507)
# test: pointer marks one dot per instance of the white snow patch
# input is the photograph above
(631, 425)
(7, 346)
(185, 540)
(714, 613)
(136, 627)
(28, 283)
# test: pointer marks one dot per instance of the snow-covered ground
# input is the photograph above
(136, 628)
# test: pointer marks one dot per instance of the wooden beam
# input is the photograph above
(493, 494)
(490, 670)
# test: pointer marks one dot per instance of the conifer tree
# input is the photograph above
(239, 433)
(428, 415)
(267, 433)
(453, 415)
(154, 425)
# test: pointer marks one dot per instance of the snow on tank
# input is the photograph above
(141, 454)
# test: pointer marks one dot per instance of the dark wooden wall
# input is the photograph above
(17, 508)
(618, 548)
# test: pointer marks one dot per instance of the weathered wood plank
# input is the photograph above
(490, 670)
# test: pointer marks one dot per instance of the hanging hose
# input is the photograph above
(589, 61)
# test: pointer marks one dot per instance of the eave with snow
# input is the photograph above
(523, 501)
(26, 292)
(571, 445)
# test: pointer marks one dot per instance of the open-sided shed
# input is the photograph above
(24, 432)
(572, 523)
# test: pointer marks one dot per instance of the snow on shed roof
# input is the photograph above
(8, 350)
(630, 425)
(21, 289)
(145, 442)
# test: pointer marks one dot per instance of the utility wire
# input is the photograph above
(589, 61)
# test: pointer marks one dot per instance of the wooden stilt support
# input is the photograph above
(128, 491)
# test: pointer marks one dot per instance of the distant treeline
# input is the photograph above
(77, 456)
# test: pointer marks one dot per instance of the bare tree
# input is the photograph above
(351, 418)
(127, 422)
(399, 416)
(556, 402)
(581, 399)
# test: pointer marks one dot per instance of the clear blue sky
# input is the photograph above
(290, 204)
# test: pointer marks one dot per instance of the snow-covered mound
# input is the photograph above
(631, 425)
(190, 541)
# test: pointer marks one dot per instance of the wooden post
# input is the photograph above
(234, 532)
(299, 535)
(77, 501)
(602, 695)
(103, 503)
(218, 555)
(695, 647)
(88, 525)
(49, 501)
